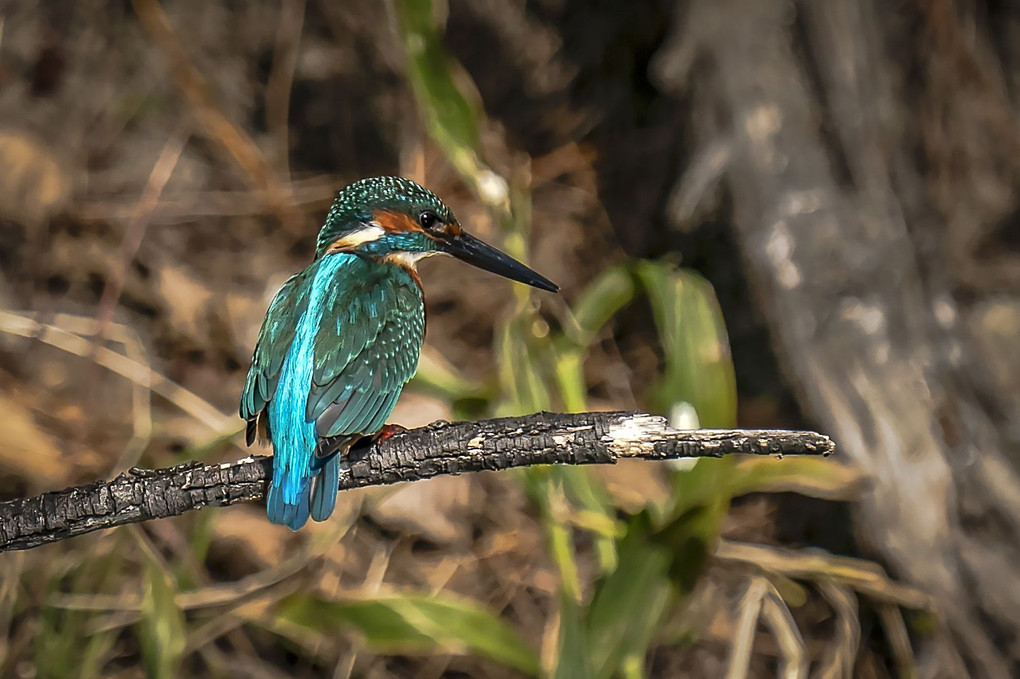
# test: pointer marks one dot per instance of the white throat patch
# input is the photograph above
(409, 259)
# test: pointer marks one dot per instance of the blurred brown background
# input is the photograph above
(815, 201)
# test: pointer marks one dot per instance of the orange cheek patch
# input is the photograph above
(395, 222)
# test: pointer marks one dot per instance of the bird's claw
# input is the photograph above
(388, 431)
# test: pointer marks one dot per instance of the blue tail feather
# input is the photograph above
(291, 514)
(301, 512)
(275, 509)
(316, 498)
(325, 488)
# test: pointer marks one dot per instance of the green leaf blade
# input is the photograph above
(416, 623)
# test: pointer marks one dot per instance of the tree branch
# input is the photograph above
(440, 448)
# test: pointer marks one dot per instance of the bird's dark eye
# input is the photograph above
(428, 220)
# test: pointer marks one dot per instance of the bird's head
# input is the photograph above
(394, 219)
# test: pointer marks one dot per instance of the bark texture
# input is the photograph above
(440, 448)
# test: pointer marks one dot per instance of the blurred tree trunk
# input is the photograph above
(872, 166)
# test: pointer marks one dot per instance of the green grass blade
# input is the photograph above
(415, 623)
(64, 648)
(440, 379)
(698, 368)
(813, 477)
(450, 116)
(572, 652)
(600, 301)
(520, 374)
(628, 603)
(586, 492)
(161, 628)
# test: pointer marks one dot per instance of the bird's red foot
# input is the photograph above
(388, 431)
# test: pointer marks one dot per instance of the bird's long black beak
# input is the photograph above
(479, 253)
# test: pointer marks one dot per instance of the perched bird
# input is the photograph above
(342, 337)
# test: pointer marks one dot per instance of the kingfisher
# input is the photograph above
(342, 337)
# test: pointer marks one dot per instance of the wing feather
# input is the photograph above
(368, 358)
(274, 340)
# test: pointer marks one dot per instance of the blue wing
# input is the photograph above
(275, 338)
(369, 350)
